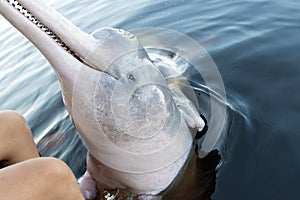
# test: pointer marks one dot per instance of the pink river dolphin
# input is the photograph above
(138, 127)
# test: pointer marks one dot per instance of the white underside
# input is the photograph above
(150, 183)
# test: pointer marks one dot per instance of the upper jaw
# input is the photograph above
(77, 40)
(49, 31)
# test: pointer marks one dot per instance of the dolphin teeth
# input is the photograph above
(22, 10)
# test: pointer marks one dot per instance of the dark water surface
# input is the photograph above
(256, 46)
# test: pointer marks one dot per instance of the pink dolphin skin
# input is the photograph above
(138, 128)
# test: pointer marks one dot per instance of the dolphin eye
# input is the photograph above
(131, 77)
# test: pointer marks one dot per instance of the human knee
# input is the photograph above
(11, 115)
(11, 125)
(53, 177)
(58, 170)
(13, 120)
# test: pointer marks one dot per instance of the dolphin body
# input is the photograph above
(138, 129)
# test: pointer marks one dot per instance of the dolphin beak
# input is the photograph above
(78, 41)
(42, 24)
(55, 54)
(35, 20)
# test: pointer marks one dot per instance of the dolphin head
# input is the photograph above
(120, 102)
(128, 107)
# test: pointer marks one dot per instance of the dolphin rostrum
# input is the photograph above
(138, 129)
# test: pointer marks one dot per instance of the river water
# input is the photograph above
(255, 45)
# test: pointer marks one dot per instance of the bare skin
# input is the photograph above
(25, 175)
